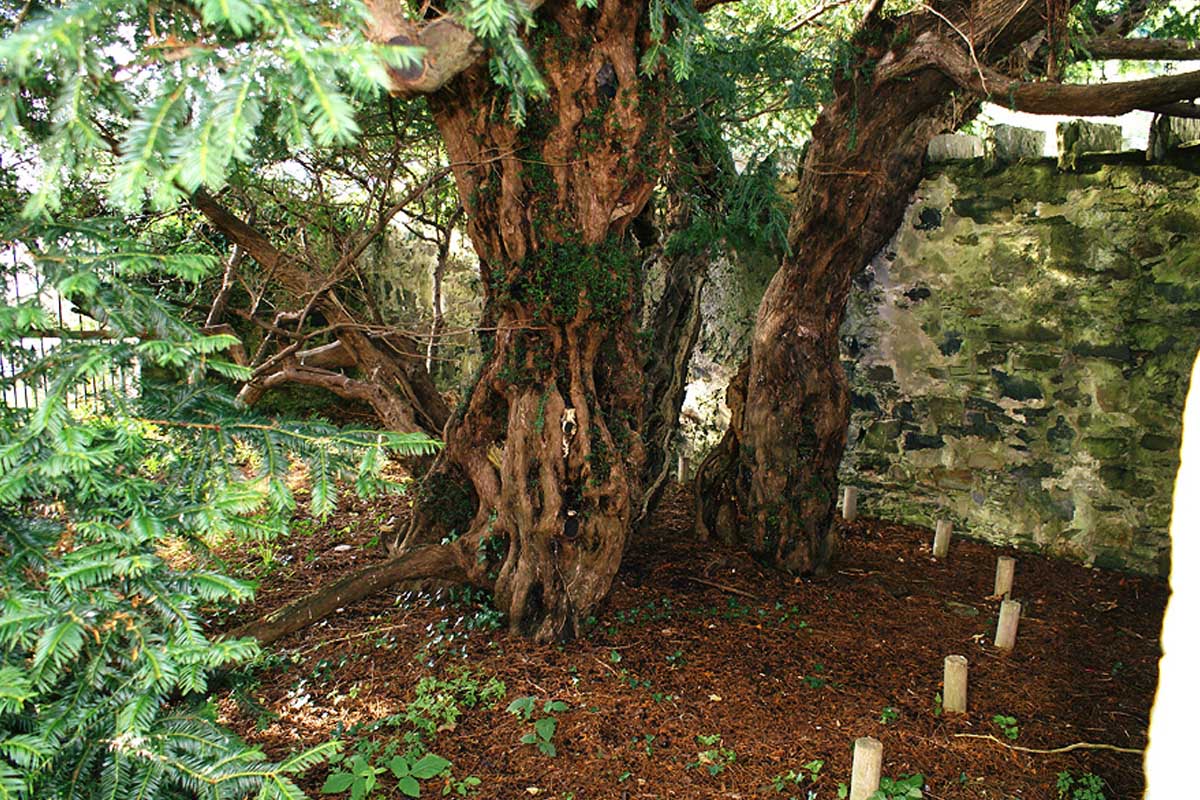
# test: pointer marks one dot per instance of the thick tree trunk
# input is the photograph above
(543, 465)
(772, 483)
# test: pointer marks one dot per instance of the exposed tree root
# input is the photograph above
(449, 562)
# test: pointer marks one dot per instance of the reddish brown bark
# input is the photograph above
(771, 484)
(543, 464)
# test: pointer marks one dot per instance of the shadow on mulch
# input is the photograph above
(697, 640)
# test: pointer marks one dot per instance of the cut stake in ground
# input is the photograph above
(941, 538)
(850, 503)
(954, 685)
(1006, 628)
(1005, 567)
(867, 768)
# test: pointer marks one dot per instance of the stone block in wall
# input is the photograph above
(1009, 143)
(954, 147)
(1171, 133)
(1080, 137)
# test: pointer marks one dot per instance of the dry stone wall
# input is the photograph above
(1019, 355)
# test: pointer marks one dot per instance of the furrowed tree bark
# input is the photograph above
(771, 485)
(543, 463)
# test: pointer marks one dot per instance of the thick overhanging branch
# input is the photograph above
(1100, 100)
(1141, 49)
(328, 356)
(335, 382)
(1188, 110)
(247, 237)
(1106, 99)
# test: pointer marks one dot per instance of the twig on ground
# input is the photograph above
(722, 587)
(1066, 749)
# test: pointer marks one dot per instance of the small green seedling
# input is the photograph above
(794, 778)
(889, 714)
(1008, 725)
(717, 758)
(360, 776)
(357, 775)
(522, 708)
(408, 772)
(906, 787)
(461, 788)
(1080, 787)
(544, 728)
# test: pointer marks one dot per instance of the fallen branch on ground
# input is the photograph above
(722, 587)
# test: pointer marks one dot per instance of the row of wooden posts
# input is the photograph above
(867, 767)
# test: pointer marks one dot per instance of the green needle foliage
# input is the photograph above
(104, 658)
(170, 97)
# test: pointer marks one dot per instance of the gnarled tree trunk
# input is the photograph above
(542, 468)
(771, 484)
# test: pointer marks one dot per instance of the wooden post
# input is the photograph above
(954, 685)
(941, 538)
(1005, 567)
(682, 471)
(1006, 628)
(850, 503)
(868, 766)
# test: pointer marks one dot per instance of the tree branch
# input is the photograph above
(329, 356)
(1101, 100)
(449, 47)
(1187, 110)
(1107, 99)
(1140, 49)
(401, 391)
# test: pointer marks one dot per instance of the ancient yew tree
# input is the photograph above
(557, 134)
(771, 484)
(548, 442)
(540, 479)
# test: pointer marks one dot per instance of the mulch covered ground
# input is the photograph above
(698, 641)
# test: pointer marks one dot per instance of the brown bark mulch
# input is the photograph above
(698, 641)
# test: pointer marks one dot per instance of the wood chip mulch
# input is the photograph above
(698, 640)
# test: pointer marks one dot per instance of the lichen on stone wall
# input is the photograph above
(1019, 355)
